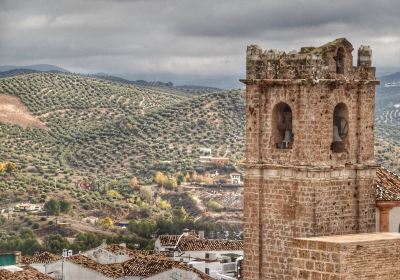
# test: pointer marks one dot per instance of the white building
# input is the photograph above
(236, 179)
(22, 272)
(28, 207)
(387, 201)
(129, 265)
(212, 256)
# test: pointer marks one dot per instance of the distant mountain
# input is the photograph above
(165, 86)
(15, 72)
(390, 80)
(35, 67)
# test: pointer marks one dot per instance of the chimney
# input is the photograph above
(201, 234)
(186, 232)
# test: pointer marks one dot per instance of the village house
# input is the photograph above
(115, 253)
(138, 266)
(22, 273)
(28, 207)
(236, 178)
(217, 258)
(387, 188)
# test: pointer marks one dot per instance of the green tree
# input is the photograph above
(52, 206)
(142, 228)
(55, 243)
(65, 206)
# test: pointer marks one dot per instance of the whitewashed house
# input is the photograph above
(108, 262)
(214, 257)
(387, 189)
(236, 178)
(22, 272)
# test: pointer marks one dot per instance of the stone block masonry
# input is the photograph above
(348, 257)
(310, 165)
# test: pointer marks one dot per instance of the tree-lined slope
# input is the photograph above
(97, 126)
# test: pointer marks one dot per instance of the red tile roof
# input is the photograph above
(210, 245)
(117, 248)
(170, 240)
(28, 273)
(44, 258)
(194, 243)
(387, 187)
(114, 270)
(138, 265)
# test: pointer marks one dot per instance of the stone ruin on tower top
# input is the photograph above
(309, 202)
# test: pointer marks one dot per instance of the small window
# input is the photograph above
(282, 126)
(340, 61)
(340, 128)
(207, 255)
(207, 271)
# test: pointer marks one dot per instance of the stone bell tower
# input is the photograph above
(309, 151)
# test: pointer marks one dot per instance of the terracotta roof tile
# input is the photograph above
(387, 185)
(170, 240)
(114, 270)
(44, 258)
(28, 273)
(210, 245)
(150, 265)
(138, 265)
(117, 248)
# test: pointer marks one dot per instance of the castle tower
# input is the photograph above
(309, 151)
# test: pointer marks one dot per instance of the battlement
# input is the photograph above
(332, 61)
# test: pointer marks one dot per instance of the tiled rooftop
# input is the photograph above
(28, 273)
(193, 243)
(387, 185)
(114, 270)
(43, 258)
(139, 265)
(117, 248)
(210, 245)
(170, 240)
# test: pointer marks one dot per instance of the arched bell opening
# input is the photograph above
(340, 128)
(282, 133)
(340, 61)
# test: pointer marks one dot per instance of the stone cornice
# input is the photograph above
(305, 167)
(264, 82)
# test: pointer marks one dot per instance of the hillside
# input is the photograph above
(63, 129)
(102, 127)
(387, 146)
(35, 67)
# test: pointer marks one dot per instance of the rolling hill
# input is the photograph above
(97, 127)
(102, 127)
(35, 67)
(64, 128)
(387, 144)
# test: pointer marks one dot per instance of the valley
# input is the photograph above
(83, 139)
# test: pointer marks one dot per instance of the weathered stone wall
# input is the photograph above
(361, 256)
(309, 62)
(306, 190)
(284, 203)
(313, 107)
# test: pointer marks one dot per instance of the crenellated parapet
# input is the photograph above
(332, 61)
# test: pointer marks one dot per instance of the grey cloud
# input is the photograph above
(171, 38)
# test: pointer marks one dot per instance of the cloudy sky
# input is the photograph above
(187, 41)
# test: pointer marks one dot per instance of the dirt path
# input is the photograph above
(85, 227)
(13, 111)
